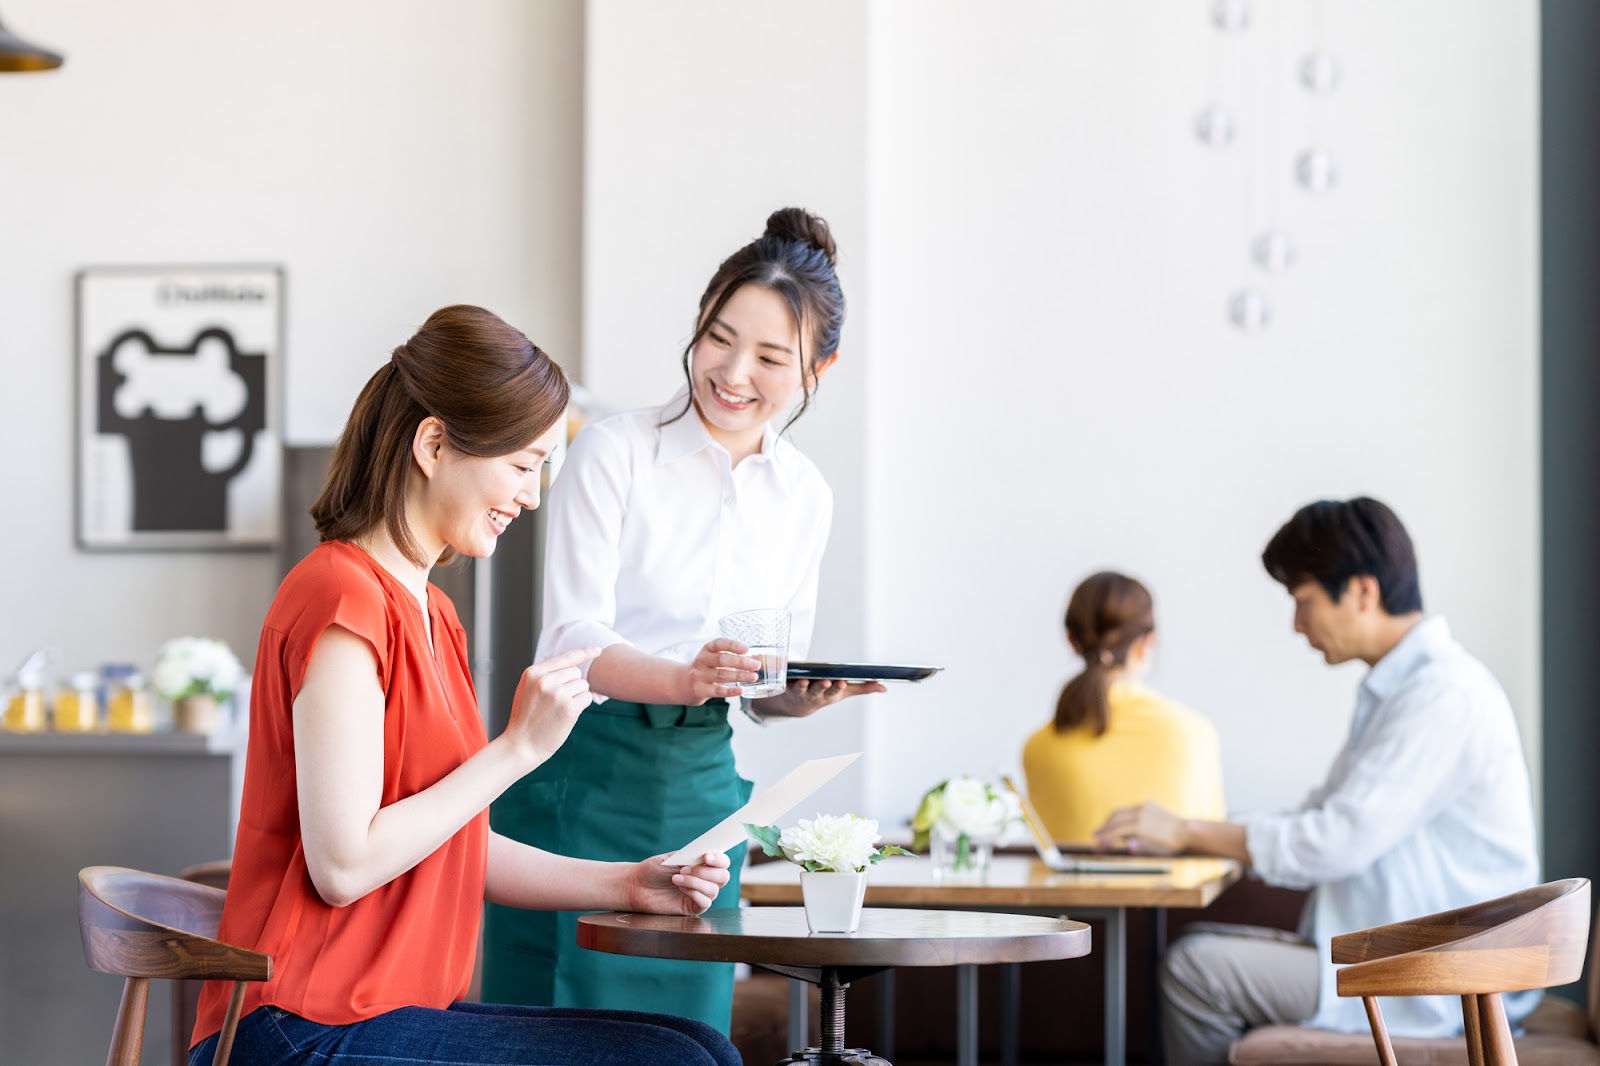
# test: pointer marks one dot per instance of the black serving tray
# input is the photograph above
(859, 672)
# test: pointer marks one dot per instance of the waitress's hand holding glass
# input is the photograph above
(765, 636)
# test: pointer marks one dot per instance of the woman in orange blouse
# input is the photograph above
(364, 852)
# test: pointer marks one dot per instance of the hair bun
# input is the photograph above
(798, 224)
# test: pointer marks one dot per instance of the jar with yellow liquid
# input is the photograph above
(129, 708)
(77, 707)
(24, 706)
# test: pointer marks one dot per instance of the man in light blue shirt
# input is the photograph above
(1426, 808)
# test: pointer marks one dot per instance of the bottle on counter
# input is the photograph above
(24, 705)
(129, 708)
(77, 706)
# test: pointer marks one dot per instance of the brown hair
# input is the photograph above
(793, 258)
(493, 389)
(1107, 615)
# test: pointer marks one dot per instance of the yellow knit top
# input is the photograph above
(1152, 749)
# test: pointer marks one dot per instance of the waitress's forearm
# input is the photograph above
(623, 672)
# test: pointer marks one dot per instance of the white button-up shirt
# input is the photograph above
(1427, 808)
(654, 535)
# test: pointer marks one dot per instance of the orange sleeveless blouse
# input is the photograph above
(411, 942)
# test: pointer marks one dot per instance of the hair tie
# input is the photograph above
(1105, 657)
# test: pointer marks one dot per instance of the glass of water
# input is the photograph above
(766, 634)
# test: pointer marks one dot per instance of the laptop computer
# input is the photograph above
(1052, 856)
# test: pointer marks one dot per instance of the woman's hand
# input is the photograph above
(1148, 828)
(718, 670)
(550, 696)
(801, 699)
(689, 890)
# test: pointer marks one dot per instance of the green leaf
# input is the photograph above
(767, 836)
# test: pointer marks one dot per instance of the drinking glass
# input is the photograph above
(766, 634)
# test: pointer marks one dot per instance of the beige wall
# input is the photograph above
(393, 157)
(1038, 379)
(1046, 382)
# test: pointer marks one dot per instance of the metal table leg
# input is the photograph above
(967, 1015)
(1010, 1011)
(883, 1037)
(1155, 1054)
(799, 1029)
(1115, 949)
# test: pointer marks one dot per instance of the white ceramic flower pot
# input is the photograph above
(833, 900)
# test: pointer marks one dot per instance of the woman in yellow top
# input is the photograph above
(1115, 743)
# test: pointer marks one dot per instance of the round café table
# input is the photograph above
(777, 939)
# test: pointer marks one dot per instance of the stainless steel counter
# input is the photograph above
(159, 802)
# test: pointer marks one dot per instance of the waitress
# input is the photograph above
(663, 521)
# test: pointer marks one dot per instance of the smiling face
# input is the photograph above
(746, 368)
(472, 499)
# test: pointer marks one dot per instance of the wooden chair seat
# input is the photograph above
(141, 926)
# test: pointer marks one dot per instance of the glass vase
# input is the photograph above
(959, 856)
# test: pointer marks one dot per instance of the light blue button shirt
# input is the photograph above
(1427, 808)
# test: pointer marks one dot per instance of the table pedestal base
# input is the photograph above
(815, 1056)
(833, 981)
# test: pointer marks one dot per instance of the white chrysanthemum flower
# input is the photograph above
(187, 666)
(976, 809)
(833, 842)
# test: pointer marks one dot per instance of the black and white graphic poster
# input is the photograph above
(179, 427)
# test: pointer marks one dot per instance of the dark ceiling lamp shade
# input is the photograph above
(17, 55)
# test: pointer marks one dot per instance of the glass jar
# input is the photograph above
(24, 706)
(77, 707)
(129, 708)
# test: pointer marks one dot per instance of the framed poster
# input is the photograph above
(179, 421)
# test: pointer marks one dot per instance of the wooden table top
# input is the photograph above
(779, 936)
(1013, 881)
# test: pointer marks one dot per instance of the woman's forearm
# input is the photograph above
(346, 863)
(524, 876)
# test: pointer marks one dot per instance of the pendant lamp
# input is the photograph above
(17, 55)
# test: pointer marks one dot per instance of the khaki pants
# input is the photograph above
(1218, 983)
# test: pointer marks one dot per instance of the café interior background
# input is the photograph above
(1039, 375)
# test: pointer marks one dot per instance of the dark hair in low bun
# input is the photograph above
(794, 258)
(1109, 613)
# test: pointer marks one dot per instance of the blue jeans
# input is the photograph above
(475, 1034)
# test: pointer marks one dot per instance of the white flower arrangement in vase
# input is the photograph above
(960, 819)
(833, 853)
(196, 674)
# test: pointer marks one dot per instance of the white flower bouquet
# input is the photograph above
(966, 809)
(193, 666)
(827, 843)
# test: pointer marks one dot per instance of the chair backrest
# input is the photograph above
(1530, 939)
(186, 993)
(141, 925)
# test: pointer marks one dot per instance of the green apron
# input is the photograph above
(633, 780)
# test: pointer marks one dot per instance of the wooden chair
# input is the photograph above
(186, 993)
(140, 925)
(1530, 939)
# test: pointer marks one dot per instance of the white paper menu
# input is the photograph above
(764, 809)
